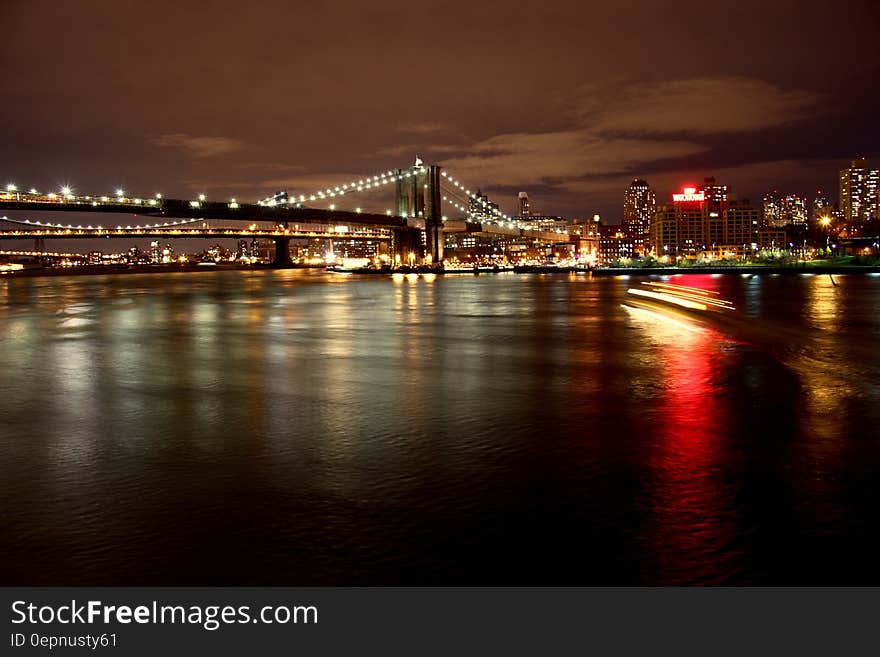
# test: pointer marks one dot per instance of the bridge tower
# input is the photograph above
(433, 216)
(418, 195)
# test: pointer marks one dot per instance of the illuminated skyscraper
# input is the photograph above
(821, 207)
(639, 205)
(481, 208)
(788, 210)
(525, 209)
(715, 194)
(772, 209)
(793, 210)
(858, 191)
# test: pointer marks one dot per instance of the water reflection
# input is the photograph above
(296, 427)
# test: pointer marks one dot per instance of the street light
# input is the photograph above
(826, 222)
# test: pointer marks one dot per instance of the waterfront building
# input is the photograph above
(587, 234)
(768, 239)
(639, 205)
(692, 225)
(546, 223)
(359, 249)
(859, 192)
(615, 243)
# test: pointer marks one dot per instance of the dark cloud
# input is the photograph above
(200, 146)
(565, 99)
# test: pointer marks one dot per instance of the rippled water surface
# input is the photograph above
(299, 427)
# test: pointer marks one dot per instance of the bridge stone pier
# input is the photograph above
(407, 247)
(282, 252)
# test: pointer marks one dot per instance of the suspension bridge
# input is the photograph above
(427, 203)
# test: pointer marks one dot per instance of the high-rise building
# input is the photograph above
(639, 205)
(525, 208)
(858, 192)
(715, 194)
(481, 208)
(788, 210)
(792, 211)
(821, 207)
(772, 209)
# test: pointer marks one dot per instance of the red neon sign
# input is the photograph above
(689, 194)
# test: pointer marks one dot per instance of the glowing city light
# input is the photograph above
(689, 195)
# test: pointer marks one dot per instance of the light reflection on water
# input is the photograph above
(298, 427)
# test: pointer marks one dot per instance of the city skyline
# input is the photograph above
(571, 115)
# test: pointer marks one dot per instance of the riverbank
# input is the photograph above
(97, 270)
(746, 270)
(741, 271)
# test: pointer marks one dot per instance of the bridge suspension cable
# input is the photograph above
(47, 224)
(456, 193)
(455, 187)
(367, 183)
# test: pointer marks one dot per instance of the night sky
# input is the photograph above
(567, 100)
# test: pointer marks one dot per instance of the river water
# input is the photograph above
(299, 427)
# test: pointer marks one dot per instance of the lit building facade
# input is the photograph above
(615, 243)
(548, 223)
(788, 210)
(525, 208)
(859, 192)
(772, 209)
(639, 205)
(820, 207)
(586, 232)
(480, 208)
(716, 195)
(692, 225)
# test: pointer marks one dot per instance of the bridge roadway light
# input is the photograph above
(66, 191)
(11, 187)
(120, 192)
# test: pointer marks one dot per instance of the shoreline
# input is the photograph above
(103, 270)
(741, 271)
(106, 270)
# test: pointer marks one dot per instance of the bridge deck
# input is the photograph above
(212, 233)
(181, 209)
